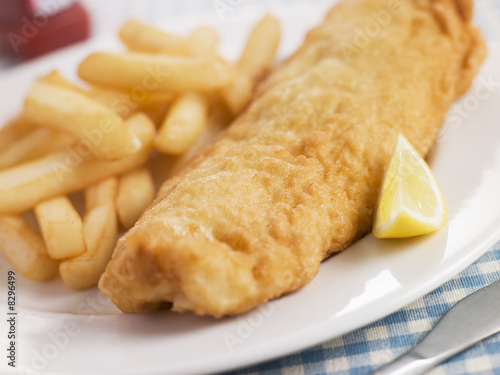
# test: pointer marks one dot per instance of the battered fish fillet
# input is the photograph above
(296, 177)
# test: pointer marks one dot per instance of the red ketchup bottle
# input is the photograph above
(29, 28)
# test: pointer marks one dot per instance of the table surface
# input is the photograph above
(363, 350)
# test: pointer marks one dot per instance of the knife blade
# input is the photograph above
(469, 321)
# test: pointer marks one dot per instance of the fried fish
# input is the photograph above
(296, 177)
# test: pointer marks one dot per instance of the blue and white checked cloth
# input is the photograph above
(365, 349)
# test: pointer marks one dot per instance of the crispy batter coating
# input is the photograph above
(296, 177)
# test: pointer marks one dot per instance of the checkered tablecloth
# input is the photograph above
(365, 349)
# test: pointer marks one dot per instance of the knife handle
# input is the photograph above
(409, 363)
(471, 320)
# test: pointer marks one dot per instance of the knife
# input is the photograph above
(470, 320)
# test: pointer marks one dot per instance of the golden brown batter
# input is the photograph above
(296, 177)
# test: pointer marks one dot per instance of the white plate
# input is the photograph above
(61, 331)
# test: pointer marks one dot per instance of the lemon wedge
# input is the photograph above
(410, 202)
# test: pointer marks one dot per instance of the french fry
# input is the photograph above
(183, 124)
(203, 41)
(139, 37)
(114, 99)
(239, 93)
(157, 97)
(260, 49)
(100, 232)
(126, 102)
(24, 249)
(37, 143)
(56, 78)
(111, 98)
(257, 57)
(61, 228)
(108, 97)
(14, 129)
(101, 193)
(87, 120)
(156, 72)
(64, 172)
(136, 192)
